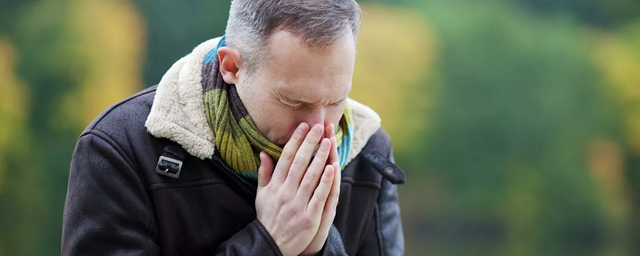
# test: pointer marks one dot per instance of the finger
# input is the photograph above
(329, 130)
(329, 211)
(321, 193)
(289, 152)
(314, 173)
(333, 156)
(265, 171)
(303, 157)
(331, 134)
(334, 195)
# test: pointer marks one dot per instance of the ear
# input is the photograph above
(230, 64)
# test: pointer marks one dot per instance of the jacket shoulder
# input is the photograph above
(122, 126)
(380, 141)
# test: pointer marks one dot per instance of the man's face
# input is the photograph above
(298, 84)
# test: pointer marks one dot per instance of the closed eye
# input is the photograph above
(296, 106)
(338, 103)
(301, 105)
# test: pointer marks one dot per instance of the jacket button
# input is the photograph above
(389, 170)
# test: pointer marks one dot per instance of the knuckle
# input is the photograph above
(283, 198)
(306, 222)
(311, 177)
(297, 164)
(300, 208)
(289, 210)
(326, 180)
(295, 137)
(322, 154)
(281, 201)
(263, 191)
(320, 193)
(312, 138)
(287, 155)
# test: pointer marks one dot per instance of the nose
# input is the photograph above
(315, 116)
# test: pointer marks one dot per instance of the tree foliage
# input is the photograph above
(618, 55)
(68, 61)
(506, 158)
(396, 49)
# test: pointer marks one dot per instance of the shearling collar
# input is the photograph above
(178, 112)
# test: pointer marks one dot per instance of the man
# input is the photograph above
(247, 146)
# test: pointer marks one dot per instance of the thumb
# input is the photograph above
(265, 171)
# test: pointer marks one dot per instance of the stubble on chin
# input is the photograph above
(273, 138)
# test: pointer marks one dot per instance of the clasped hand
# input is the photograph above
(296, 201)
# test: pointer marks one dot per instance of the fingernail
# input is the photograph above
(302, 127)
(317, 129)
(328, 170)
(324, 144)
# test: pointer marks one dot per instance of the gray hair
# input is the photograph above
(319, 23)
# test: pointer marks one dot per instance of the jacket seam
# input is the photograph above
(376, 216)
(186, 184)
(112, 142)
(371, 184)
(380, 238)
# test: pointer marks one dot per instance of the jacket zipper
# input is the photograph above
(234, 173)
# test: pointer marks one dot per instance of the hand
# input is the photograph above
(291, 198)
(329, 212)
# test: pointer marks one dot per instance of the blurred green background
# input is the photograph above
(517, 121)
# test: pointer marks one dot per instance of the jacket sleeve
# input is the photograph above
(385, 236)
(252, 240)
(333, 245)
(109, 212)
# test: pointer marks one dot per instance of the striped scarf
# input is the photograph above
(238, 139)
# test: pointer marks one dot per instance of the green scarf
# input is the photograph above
(238, 139)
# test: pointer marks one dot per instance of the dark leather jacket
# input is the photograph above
(117, 204)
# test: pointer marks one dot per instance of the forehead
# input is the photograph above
(299, 70)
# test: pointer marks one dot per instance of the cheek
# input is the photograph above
(283, 123)
(288, 129)
(334, 114)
